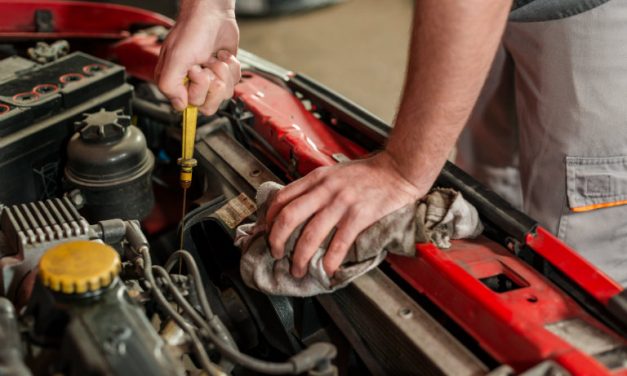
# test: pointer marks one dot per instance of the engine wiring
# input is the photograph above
(164, 304)
(317, 356)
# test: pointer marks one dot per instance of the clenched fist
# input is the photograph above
(202, 47)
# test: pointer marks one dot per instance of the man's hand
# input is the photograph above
(201, 46)
(349, 197)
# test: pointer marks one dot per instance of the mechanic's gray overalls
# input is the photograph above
(552, 121)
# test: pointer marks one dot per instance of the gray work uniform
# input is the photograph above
(549, 131)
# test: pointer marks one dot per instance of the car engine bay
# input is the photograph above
(101, 273)
(77, 168)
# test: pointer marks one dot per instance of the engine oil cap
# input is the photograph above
(79, 267)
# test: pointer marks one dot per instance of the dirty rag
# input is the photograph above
(440, 216)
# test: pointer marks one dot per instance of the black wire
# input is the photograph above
(214, 320)
(187, 308)
(225, 349)
(178, 296)
(206, 363)
(223, 346)
(192, 267)
(249, 132)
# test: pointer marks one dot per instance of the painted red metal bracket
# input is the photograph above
(513, 326)
(298, 136)
(73, 19)
(596, 283)
(138, 53)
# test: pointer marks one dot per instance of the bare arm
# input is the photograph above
(452, 47)
(453, 44)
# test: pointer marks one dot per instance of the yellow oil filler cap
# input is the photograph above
(78, 267)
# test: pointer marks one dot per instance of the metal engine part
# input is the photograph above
(26, 232)
(46, 53)
(108, 160)
(11, 356)
(98, 332)
(101, 333)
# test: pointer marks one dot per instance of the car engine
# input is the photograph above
(91, 273)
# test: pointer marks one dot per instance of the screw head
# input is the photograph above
(405, 313)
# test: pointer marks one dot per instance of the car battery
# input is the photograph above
(39, 106)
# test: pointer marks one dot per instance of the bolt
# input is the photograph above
(405, 313)
(532, 299)
(255, 173)
(77, 198)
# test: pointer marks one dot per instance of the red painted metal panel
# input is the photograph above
(297, 135)
(596, 283)
(510, 325)
(73, 19)
(138, 53)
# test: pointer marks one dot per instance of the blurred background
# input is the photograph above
(355, 47)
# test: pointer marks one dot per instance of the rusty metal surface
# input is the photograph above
(398, 333)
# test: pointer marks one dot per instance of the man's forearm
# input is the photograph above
(452, 47)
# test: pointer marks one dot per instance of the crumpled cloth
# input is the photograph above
(440, 216)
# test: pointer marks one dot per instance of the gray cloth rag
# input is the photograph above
(440, 216)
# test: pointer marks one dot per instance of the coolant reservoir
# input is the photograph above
(108, 160)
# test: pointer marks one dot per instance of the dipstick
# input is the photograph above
(187, 161)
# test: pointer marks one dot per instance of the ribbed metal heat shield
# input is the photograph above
(28, 230)
(41, 222)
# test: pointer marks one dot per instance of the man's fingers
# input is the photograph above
(313, 234)
(347, 231)
(223, 72)
(234, 65)
(171, 82)
(290, 217)
(227, 72)
(199, 82)
(215, 95)
(221, 88)
(290, 192)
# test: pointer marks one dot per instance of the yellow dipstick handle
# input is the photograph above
(188, 139)
(187, 161)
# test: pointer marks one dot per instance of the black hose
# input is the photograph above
(214, 321)
(225, 349)
(297, 364)
(206, 363)
(187, 307)
(192, 267)
(147, 108)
